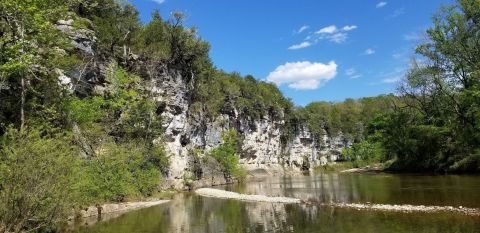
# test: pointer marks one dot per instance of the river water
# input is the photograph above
(190, 213)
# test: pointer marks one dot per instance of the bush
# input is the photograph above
(121, 171)
(37, 180)
(226, 154)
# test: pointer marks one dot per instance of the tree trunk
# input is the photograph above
(22, 104)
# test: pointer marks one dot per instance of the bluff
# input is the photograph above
(261, 147)
(187, 132)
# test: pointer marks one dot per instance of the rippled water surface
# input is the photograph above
(191, 213)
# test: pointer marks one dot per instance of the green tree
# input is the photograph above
(227, 154)
(31, 48)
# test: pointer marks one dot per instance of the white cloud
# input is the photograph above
(327, 30)
(352, 73)
(308, 84)
(302, 45)
(159, 1)
(338, 37)
(302, 29)
(381, 4)
(333, 34)
(349, 27)
(303, 75)
(369, 51)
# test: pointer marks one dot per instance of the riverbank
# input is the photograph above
(408, 208)
(105, 209)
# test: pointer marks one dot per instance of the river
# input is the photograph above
(188, 212)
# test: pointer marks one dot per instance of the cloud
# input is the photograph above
(338, 37)
(303, 75)
(352, 73)
(302, 29)
(302, 45)
(332, 33)
(327, 30)
(349, 27)
(369, 51)
(159, 1)
(381, 4)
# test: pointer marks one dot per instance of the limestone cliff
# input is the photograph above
(185, 131)
(261, 147)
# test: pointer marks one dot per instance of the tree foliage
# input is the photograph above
(37, 179)
(227, 154)
(436, 128)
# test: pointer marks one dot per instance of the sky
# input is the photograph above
(313, 50)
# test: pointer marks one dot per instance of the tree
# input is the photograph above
(442, 94)
(31, 49)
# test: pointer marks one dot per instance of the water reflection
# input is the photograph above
(191, 213)
(451, 190)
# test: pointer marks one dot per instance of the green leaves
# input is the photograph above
(226, 154)
(87, 110)
(120, 172)
(37, 178)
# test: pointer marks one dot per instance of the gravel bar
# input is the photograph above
(222, 194)
(209, 192)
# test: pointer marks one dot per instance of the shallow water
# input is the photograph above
(191, 213)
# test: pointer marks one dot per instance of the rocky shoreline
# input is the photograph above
(106, 209)
(408, 208)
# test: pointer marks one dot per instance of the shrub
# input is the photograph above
(226, 154)
(37, 178)
(121, 171)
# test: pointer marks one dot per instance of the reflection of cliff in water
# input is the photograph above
(191, 213)
(450, 190)
(324, 188)
(197, 214)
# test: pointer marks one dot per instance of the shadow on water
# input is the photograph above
(191, 213)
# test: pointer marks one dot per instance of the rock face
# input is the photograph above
(261, 146)
(187, 132)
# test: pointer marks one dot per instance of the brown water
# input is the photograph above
(191, 213)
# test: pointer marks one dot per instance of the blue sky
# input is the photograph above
(314, 50)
